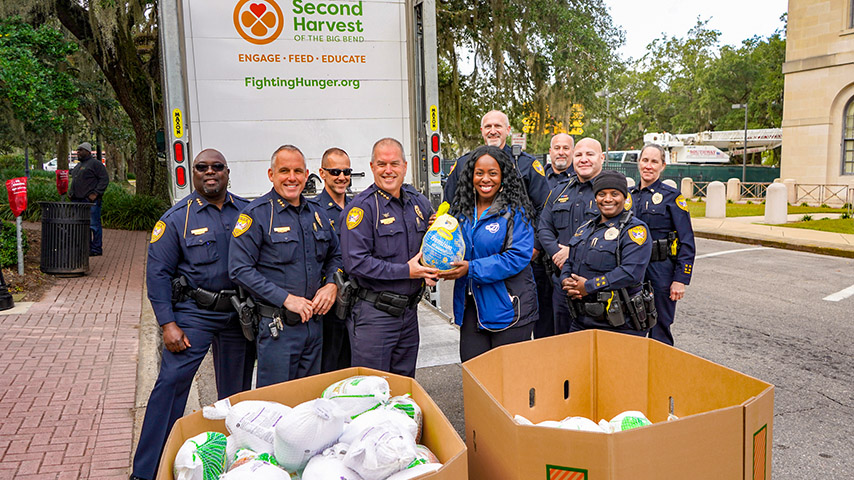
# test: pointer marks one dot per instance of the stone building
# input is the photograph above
(818, 105)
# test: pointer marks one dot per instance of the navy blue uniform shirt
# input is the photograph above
(570, 204)
(332, 211)
(380, 234)
(278, 249)
(529, 168)
(191, 239)
(554, 177)
(665, 210)
(593, 254)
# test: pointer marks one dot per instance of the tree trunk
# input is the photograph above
(62, 150)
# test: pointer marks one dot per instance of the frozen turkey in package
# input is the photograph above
(358, 394)
(305, 431)
(201, 457)
(251, 423)
(443, 243)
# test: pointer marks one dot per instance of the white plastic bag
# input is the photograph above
(407, 405)
(381, 451)
(256, 470)
(251, 423)
(423, 455)
(329, 466)
(305, 431)
(201, 457)
(625, 421)
(416, 471)
(376, 418)
(244, 455)
(583, 424)
(358, 394)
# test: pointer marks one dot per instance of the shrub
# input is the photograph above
(845, 216)
(9, 244)
(131, 176)
(806, 218)
(125, 211)
(805, 204)
(824, 205)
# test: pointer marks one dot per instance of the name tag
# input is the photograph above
(387, 221)
(199, 231)
(282, 229)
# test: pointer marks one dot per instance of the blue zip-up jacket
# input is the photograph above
(499, 277)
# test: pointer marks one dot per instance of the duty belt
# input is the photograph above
(390, 302)
(664, 248)
(205, 299)
(288, 317)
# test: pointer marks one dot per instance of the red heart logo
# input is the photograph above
(258, 9)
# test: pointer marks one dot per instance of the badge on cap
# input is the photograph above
(159, 228)
(243, 223)
(657, 198)
(611, 233)
(354, 217)
(638, 234)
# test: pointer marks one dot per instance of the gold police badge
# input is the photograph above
(638, 234)
(354, 217)
(657, 198)
(243, 223)
(159, 228)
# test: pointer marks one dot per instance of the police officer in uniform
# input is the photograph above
(335, 172)
(385, 225)
(189, 290)
(665, 211)
(607, 260)
(570, 203)
(284, 252)
(545, 272)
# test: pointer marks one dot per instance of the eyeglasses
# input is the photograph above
(338, 171)
(203, 167)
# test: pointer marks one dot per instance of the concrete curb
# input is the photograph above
(771, 242)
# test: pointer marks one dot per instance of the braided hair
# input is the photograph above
(511, 193)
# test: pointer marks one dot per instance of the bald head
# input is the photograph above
(495, 128)
(587, 159)
(560, 152)
(211, 154)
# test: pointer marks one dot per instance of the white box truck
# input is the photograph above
(246, 76)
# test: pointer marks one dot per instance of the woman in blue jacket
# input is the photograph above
(495, 299)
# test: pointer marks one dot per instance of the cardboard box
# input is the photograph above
(438, 434)
(723, 432)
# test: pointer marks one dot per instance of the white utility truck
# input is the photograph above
(705, 147)
(246, 76)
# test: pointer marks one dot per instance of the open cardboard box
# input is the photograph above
(723, 431)
(438, 434)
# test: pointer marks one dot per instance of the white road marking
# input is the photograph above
(715, 254)
(840, 295)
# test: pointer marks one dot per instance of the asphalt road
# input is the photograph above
(760, 311)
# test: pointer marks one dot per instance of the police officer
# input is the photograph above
(570, 203)
(665, 211)
(189, 290)
(607, 260)
(284, 252)
(381, 244)
(335, 172)
(558, 169)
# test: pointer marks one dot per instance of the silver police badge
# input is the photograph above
(611, 233)
(657, 198)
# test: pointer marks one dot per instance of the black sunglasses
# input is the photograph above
(203, 167)
(338, 171)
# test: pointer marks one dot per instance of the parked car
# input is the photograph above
(50, 166)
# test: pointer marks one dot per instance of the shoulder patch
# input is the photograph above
(638, 234)
(629, 201)
(681, 203)
(159, 228)
(354, 217)
(243, 223)
(538, 167)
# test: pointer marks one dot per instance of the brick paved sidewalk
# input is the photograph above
(68, 371)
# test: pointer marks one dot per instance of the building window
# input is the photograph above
(848, 140)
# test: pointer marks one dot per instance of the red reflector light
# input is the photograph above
(178, 148)
(434, 143)
(436, 165)
(180, 176)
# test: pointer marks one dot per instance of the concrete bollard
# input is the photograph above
(716, 200)
(776, 206)
(733, 189)
(791, 190)
(630, 182)
(669, 182)
(687, 188)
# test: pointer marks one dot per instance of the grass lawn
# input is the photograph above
(836, 225)
(698, 209)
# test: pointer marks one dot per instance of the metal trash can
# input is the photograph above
(65, 238)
